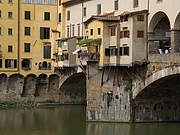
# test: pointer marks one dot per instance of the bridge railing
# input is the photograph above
(168, 58)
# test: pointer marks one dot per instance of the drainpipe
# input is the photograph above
(18, 53)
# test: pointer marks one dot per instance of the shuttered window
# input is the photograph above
(47, 16)
(107, 52)
(44, 33)
(0, 63)
(27, 15)
(47, 52)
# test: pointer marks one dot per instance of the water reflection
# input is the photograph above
(70, 120)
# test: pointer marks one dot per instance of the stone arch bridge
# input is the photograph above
(67, 88)
(139, 93)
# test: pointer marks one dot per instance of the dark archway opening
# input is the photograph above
(73, 90)
(160, 101)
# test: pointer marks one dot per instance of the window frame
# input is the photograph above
(27, 15)
(27, 47)
(27, 31)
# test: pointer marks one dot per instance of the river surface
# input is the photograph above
(70, 120)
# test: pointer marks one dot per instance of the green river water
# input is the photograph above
(70, 120)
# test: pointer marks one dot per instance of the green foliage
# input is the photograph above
(15, 104)
(129, 85)
(88, 42)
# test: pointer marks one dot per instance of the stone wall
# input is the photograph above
(43, 89)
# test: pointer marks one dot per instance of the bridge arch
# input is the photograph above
(158, 96)
(73, 90)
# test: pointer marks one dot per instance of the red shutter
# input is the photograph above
(127, 33)
(121, 33)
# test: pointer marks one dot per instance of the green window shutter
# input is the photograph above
(6, 63)
(47, 52)
(10, 48)
(26, 47)
(59, 43)
(0, 63)
(41, 33)
(15, 63)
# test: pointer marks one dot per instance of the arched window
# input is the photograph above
(49, 65)
(40, 65)
(26, 64)
(44, 65)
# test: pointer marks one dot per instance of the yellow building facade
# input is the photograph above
(27, 36)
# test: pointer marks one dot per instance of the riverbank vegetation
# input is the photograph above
(16, 104)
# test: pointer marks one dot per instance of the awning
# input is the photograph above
(76, 51)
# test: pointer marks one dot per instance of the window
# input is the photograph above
(116, 5)
(59, 2)
(124, 51)
(72, 30)
(47, 52)
(47, 16)
(124, 18)
(99, 31)
(59, 17)
(68, 31)
(0, 14)
(124, 34)
(136, 3)
(91, 32)
(112, 31)
(68, 15)
(107, 52)
(84, 12)
(44, 33)
(27, 31)
(10, 1)
(39, 1)
(27, 47)
(26, 64)
(0, 63)
(10, 31)
(10, 15)
(51, 2)
(98, 9)
(28, 1)
(140, 18)
(140, 33)
(113, 51)
(10, 63)
(159, 0)
(78, 30)
(10, 48)
(0, 31)
(27, 15)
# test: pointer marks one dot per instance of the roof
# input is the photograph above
(65, 39)
(73, 2)
(134, 12)
(103, 18)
